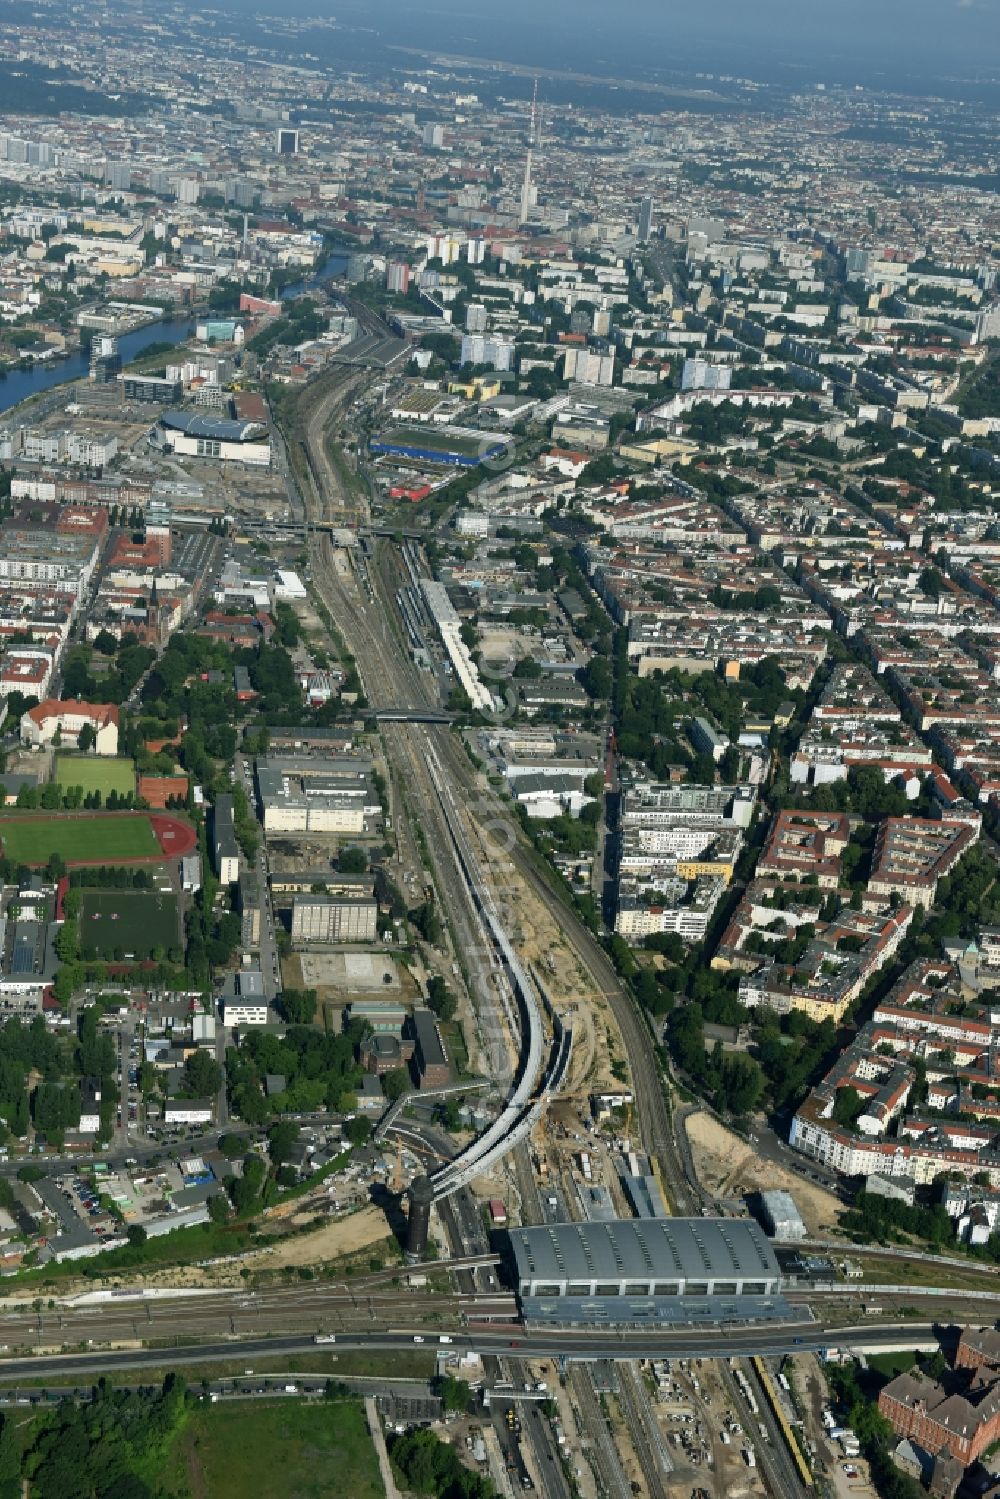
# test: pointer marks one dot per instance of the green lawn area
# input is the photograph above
(281, 1449)
(891, 1364)
(112, 838)
(95, 773)
(127, 923)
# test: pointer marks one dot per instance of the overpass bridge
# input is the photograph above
(542, 1064)
(412, 715)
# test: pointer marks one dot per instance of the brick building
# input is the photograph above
(960, 1415)
(978, 1347)
(431, 1058)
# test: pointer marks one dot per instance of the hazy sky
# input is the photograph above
(894, 35)
(909, 46)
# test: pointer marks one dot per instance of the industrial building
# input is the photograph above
(318, 918)
(781, 1217)
(244, 1001)
(664, 1270)
(334, 803)
(452, 447)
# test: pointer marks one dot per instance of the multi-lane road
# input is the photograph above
(88, 1355)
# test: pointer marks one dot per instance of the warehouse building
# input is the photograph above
(664, 1270)
(317, 918)
(781, 1217)
(292, 803)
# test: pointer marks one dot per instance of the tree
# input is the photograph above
(352, 860)
(741, 1084)
(440, 999)
(298, 1006)
(87, 737)
(448, 1115)
(357, 1130)
(136, 1235)
(395, 1083)
(847, 1105)
(202, 1075)
(455, 1393)
(702, 771)
(218, 1208)
(595, 678)
(427, 922)
(280, 1139)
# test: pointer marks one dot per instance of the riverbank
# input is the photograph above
(21, 385)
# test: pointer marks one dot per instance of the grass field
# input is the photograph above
(127, 923)
(95, 773)
(282, 1449)
(30, 838)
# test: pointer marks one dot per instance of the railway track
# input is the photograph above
(609, 1471)
(646, 1440)
(389, 675)
(773, 1459)
(390, 678)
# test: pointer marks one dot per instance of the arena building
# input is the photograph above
(193, 434)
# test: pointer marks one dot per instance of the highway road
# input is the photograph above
(587, 1345)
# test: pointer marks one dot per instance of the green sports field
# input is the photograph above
(95, 773)
(112, 838)
(127, 923)
(436, 441)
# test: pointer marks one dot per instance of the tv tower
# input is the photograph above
(526, 187)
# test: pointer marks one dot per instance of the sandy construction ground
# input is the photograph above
(727, 1166)
(347, 1235)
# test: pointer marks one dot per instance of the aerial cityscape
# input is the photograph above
(499, 750)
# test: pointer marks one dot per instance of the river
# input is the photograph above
(19, 384)
(336, 265)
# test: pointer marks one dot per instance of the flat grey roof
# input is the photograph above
(637, 1249)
